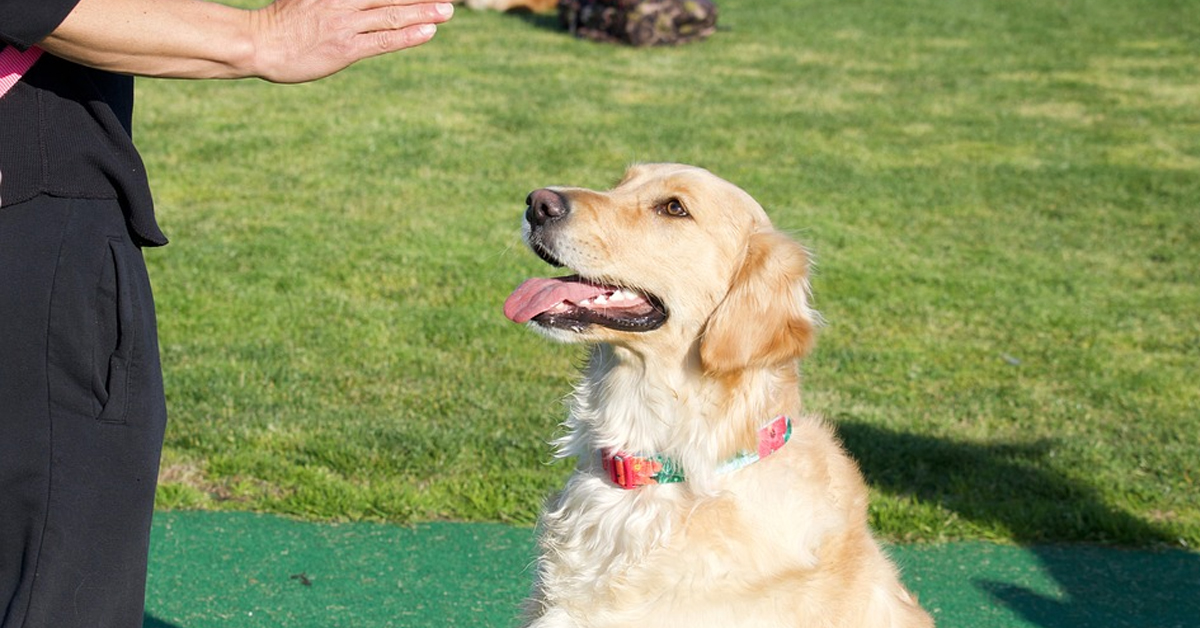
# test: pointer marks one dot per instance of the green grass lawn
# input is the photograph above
(1002, 198)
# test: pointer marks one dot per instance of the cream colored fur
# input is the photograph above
(783, 542)
(533, 6)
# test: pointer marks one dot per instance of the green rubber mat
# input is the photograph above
(247, 571)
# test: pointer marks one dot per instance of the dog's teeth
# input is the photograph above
(600, 300)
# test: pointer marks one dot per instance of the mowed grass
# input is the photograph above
(1001, 196)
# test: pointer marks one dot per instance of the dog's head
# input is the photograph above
(671, 254)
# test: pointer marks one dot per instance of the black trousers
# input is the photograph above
(82, 415)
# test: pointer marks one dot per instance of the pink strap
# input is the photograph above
(14, 64)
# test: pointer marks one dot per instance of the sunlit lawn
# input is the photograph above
(1001, 197)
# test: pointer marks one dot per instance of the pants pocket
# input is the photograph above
(117, 332)
(101, 353)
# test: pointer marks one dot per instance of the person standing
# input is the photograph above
(82, 409)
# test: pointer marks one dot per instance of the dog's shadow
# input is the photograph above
(1010, 485)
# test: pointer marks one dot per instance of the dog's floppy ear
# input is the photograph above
(765, 317)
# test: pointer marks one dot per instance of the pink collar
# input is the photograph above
(631, 471)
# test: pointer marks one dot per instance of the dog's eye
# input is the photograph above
(673, 208)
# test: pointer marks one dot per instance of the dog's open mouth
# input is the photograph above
(575, 303)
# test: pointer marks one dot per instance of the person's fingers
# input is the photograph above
(393, 40)
(393, 28)
(398, 17)
(303, 40)
(364, 5)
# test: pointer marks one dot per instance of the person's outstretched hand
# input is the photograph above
(303, 40)
(288, 41)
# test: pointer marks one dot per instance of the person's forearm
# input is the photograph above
(169, 38)
(288, 41)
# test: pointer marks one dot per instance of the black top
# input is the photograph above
(65, 129)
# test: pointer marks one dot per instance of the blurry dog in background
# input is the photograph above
(703, 494)
(531, 6)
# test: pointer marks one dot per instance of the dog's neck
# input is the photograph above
(643, 402)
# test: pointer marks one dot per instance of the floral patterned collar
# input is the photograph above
(631, 471)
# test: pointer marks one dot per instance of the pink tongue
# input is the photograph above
(538, 295)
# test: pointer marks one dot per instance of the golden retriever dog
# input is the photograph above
(703, 494)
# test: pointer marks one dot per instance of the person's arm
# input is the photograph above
(288, 41)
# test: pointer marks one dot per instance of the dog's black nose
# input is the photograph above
(544, 206)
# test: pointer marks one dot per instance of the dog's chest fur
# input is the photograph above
(670, 550)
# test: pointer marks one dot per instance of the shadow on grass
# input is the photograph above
(149, 621)
(546, 21)
(1011, 486)
(1108, 588)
